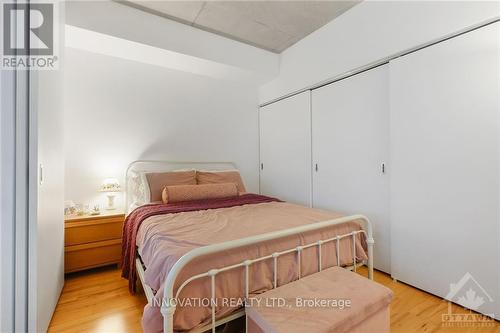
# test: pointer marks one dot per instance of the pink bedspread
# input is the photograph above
(163, 239)
(135, 219)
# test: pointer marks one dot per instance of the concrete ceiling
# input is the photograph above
(270, 25)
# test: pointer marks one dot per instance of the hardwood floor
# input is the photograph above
(99, 301)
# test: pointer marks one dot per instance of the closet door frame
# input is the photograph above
(350, 150)
(292, 151)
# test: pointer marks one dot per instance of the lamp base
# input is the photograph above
(111, 202)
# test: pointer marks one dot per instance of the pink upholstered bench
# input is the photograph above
(333, 300)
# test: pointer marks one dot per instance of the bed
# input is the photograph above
(198, 262)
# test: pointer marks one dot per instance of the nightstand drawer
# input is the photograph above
(83, 232)
(79, 257)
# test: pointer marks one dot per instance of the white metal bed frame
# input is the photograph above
(168, 304)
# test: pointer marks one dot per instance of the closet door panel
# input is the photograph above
(350, 127)
(285, 149)
(445, 165)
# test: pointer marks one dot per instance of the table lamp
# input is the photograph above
(110, 186)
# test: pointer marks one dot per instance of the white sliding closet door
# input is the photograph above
(285, 149)
(350, 121)
(445, 166)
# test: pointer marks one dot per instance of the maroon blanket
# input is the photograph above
(135, 219)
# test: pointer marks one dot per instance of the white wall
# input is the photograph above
(7, 199)
(117, 20)
(368, 32)
(118, 111)
(95, 42)
(46, 189)
(32, 252)
(46, 246)
(2, 296)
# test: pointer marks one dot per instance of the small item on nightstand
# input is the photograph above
(110, 186)
(95, 211)
(80, 210)
(69, 208)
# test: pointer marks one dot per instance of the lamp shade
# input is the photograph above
(110, 185)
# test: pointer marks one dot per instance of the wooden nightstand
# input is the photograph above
(92, 241)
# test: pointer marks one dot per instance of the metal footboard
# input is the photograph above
(168, 306)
